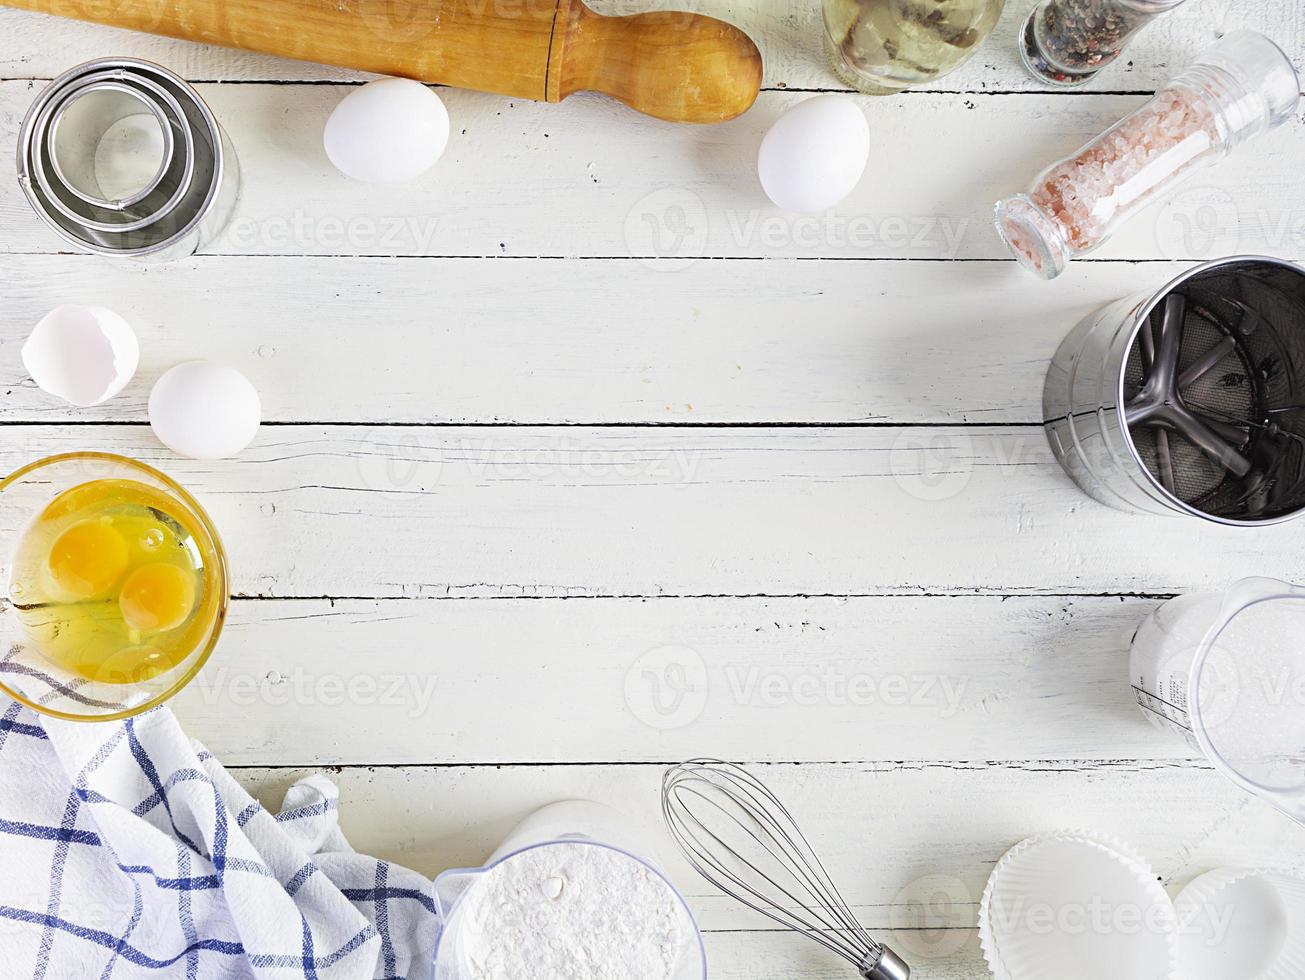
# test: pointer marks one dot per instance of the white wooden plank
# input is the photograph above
(591, 179)
(402, 681)
(781, 956)
(911, 845)
(401, 511)
(482, 341)
(788, 34)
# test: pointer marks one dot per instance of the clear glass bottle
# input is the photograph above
(1240, 87)
(1066, 42)
(884, 46)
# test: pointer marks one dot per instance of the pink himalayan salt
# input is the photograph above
(1084, 193)
(1020, 242)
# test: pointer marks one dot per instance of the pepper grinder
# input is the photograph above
(1066, 42)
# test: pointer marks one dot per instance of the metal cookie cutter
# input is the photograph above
(121, 157)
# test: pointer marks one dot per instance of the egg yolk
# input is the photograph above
(157, 597)
(88, 559)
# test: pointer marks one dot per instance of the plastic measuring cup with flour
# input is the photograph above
(1226, 671)
(570, 889)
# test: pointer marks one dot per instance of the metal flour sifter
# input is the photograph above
(1191, 399)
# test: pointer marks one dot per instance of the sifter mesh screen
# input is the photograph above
(1240, 372)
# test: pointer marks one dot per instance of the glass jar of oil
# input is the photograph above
(884, 46)
(115, 586)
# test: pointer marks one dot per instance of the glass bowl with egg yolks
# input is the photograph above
(115, 587)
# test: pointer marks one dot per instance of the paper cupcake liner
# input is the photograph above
(1116, 847)
(1259, 916)
(1143, 923)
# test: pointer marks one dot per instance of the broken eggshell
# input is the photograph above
(82, 354)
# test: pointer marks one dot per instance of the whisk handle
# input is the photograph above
(886, 966)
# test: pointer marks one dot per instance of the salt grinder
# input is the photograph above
(1242, 86)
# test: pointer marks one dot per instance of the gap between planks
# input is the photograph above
(602, 597)
(580, 424)
(868, 765)
(642, 259)
(794, 89)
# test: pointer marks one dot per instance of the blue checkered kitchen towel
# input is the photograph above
(127, 851)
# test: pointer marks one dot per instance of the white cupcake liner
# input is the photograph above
(1041, 916)
(1244, 923)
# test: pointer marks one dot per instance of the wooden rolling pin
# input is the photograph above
(677, 66)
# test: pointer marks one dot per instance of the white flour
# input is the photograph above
(572, 911)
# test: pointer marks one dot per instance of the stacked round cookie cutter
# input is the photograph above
(123, 158)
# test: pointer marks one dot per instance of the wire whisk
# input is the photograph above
(738, 835)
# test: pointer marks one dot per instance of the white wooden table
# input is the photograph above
(581, 459)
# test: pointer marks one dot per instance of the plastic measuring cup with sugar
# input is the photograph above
(571, 824)
(1226, 671)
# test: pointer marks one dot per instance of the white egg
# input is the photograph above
(390, 129)
(815, 153)
(204, 410)
(82, 354)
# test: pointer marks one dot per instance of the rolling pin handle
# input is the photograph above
(674, 65)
